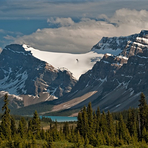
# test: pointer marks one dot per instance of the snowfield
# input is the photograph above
(77, 64)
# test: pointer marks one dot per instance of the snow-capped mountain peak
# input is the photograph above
(77, 64)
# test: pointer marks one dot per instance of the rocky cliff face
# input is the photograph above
(114, 45)
(126, 46)
(115, 82)
(23, 74)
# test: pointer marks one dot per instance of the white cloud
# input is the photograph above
(130, 17)
(8, 37)
(1, 31)
(80, 37)
(60, 21)
(43, 9)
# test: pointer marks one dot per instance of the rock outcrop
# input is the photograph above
(23, 74)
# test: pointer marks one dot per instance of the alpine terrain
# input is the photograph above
(112, 75)
(115, 82)
(34, 80)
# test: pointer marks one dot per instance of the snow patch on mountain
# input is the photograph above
(122, 57)
(19, 52)
(13, 85)
(108, 50)
(2, 93)
(142, 40)
(78, 64)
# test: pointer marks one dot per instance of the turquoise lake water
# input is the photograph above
(61, 118)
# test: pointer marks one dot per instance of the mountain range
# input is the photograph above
(112, 76)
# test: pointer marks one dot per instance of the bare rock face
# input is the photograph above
(125, 46)
(23, 74)
(115, 82)
(113, 45)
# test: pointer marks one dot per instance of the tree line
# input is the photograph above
(101, 129)
(93, 128)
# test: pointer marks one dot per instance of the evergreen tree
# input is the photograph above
(34, 145)
(66, 129)
(117, 129)
(30, 125)
(50, 143)
(110, 125)
(1, 134)
(90, 132)
(111, 129)
(29, 134)
(54, 132)
(17, 140)
(24, 123)
(73, 135)
(61, 135)
(98, 114)
(123, 131)
(144, 134)
(21, 129)
(6, 119)
(90, 116)
(79, 122)
(143, 112)
(79, 142)
(94, 123)
(35, 123)
(100, 138)
(108, 140)
(86, 142)
(85, 126)
(131, 123)
(103, 123)
(42, 134)
(13, 127)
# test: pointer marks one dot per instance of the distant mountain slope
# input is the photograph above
(126, 46)
(23, 74)
(115, 82)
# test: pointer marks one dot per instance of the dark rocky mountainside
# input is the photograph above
(115, 82)
(33, 79)
(126, 46)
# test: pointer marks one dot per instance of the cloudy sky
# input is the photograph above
(72, 26)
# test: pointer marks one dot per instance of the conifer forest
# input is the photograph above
(96, 129)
